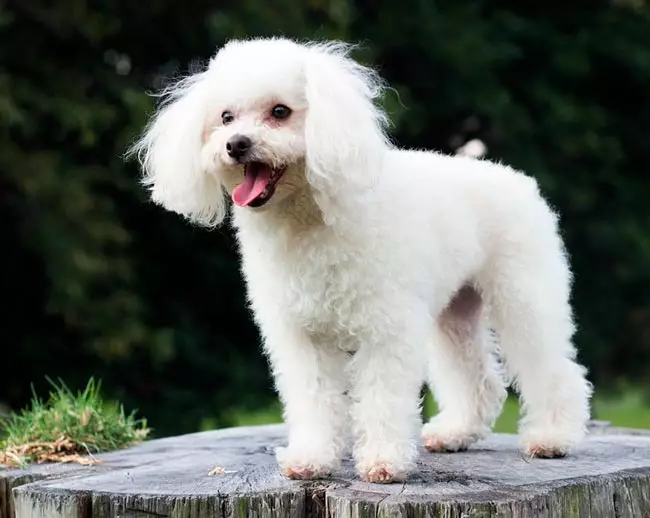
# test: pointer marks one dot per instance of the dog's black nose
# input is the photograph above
(238, 145)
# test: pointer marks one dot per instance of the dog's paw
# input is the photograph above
(435, 444)
(441, 436)
(546, 451)
(304, 473)
(383, 463)
(382, 473)
(298, 464)
(550, 442)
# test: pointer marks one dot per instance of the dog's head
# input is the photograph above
(267, 118)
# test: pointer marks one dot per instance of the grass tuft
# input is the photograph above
(68, 427)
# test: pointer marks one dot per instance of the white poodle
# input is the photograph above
(371, 269)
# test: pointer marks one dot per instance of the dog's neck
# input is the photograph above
(304, 211)
(298, 213)
(311, 207)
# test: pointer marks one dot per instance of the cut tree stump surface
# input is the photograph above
(609, 475)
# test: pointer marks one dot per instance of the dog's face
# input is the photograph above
(266, 119)
(258, 151)
(254, 140)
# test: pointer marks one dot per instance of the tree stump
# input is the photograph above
(609, 475)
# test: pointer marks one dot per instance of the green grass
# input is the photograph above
(628, 410)
(67, 427)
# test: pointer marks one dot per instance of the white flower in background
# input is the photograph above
(474, 148)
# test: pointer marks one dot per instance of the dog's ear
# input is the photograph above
(344, 128)
(170, 155)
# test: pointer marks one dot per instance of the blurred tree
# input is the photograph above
(97, 281)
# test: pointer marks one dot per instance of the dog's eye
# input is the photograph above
(227, 117)
(280, 111)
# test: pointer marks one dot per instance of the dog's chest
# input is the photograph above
(324, 290)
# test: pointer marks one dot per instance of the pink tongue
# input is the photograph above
(256, 179)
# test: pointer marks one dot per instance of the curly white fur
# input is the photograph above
(370, 263)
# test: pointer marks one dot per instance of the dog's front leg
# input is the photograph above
(311, 382)
(387, 374)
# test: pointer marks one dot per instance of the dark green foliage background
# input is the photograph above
(97, 281)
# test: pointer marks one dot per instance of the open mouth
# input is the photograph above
(258, 186)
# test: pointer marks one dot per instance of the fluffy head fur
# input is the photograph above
(329, 140)
(371, 269)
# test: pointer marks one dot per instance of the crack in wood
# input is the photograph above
(4, 498)
(316, 500)
(140, 513)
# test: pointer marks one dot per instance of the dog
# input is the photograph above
(371, 270)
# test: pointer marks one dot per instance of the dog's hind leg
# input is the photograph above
(528, 292)
(464, 376)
